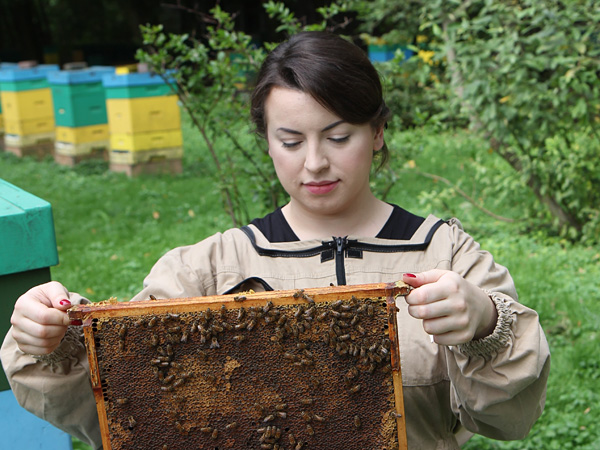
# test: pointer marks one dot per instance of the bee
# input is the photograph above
(307, 401)
(347, 315)
(299, 293)
(269, 418)
(299, 445)
(251, 325)
(240, 326)
(223, 312)
(370, 311)
(178, 382)
(336, 304)
(355, 389)
(268, 306)
(179, 427)
(175, 329)
(123, 332)
(319, 418)
(357, 421)
(335, 314)
(176, 365)
(218, 328)
(184, 337)
(326, 338)
(281, 414)
(282, 320)
(168, 388)
(310, 300)
(292, 439)
(227, 326)
(207, 430)
(344, 337)
(215, 434)
(231, 425)
(259, 408)
(239, 337)
(132, 422)
(281, 406)
(352, 373)
(122, 345)
(241, 313)
(310, 430)
(169, 350)
(122, 401)
(360, 329)
(306, 416)
(152, 297)
(321, 317)
(354, 321)
(299, 311)
(214, 343)
(386, 369)
(168, 379)
(239, 298)
(152, 321)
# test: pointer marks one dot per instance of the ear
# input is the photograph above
(378, 139)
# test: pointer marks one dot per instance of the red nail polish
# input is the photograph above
(76, 322)
(65, 302)
(410, 275)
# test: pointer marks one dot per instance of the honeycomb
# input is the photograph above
(305, 369)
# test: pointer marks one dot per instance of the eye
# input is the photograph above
(340, 140)
(290, 144)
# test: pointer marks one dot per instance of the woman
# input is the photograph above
(473, 357)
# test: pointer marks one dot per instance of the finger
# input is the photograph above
(419, 279)
(33, 309)
(431, 310)
(57, 294)
(27, 327)
(35, 345)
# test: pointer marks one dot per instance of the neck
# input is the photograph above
(364, 221)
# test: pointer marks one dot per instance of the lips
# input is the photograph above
(321, 187)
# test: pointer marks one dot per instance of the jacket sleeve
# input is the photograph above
(55, 387)
(498, 382)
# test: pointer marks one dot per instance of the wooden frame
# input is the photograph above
(299, 369)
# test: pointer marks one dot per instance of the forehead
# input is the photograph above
(292, 106)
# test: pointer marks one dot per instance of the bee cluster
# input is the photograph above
(289, 376)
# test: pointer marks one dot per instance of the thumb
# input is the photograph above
(57, 295)
(419, 279)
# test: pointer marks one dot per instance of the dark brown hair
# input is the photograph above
(332, 70)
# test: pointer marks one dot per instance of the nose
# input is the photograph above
(316, 158)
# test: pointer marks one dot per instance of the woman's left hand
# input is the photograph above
(453, 310)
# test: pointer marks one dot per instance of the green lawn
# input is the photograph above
(110, 230)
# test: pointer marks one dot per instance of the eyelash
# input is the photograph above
(334, 140)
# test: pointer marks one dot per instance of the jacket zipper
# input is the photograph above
(340, 269)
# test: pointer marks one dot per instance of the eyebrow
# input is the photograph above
(327, 128)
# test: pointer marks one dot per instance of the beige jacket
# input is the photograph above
(494, 386)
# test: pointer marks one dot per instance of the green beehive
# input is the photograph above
(78, 96)
(27, 249)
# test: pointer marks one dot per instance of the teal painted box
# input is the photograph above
(136, 85)
(78, 96)
(27, 239)
(27, 250)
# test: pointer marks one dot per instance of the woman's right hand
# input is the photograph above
(39, 319)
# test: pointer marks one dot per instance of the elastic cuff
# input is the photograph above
(69, 346)
(500, 336)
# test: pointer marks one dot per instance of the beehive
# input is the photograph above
(297, 369)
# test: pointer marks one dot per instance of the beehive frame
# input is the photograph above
(293, 369)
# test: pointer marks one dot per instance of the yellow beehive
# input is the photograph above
(146, 141)
(82, 135)
(143, 114)
(42, 125)
(27, 105)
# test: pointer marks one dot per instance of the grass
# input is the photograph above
(110, 230)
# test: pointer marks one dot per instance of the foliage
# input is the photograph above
(210, 77)
(525, 74)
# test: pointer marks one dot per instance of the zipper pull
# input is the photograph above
(340, 244)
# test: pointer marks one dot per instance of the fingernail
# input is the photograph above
(410, 275)
(65, 302)
(76, 322)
